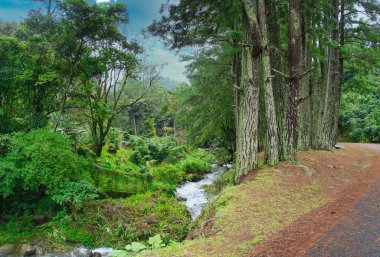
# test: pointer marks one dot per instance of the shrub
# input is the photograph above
(177, 153)
(114, 137)
(136, 141)
(360, 117)
(222, 156)
(42, 162)
(158, 152)
(116, 223)
(193, 165)
(136, 158)
(5, 144)
(74, 193)
(202, 154)
(166, 177)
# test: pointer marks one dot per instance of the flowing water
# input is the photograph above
(194, 193)
(81, 252)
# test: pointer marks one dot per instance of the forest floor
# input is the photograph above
(325, 205)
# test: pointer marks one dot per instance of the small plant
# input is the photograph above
(136, 158)
(135, 247)
(166, 177)
(154, 242)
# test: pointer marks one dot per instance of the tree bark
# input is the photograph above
(247, 131)
(305, 104)
(280, 89)
(271, 147)
(294, 77)
(329, 98)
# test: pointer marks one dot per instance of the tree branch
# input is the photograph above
(281, 74)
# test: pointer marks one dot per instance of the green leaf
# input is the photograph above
(155, 241)
(135, 247)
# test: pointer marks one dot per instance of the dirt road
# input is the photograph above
(357, 234)
(348, 226)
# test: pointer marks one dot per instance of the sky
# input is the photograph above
(141, 14)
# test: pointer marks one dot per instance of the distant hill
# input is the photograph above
(169, 83)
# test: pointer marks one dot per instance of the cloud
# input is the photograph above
(141, 14)
(158, 54)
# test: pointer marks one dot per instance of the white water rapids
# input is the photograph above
(194, 193)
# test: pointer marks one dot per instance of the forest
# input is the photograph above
(94, 143)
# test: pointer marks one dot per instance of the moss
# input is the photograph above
(81, 235)
(119, 222)
(18, 230)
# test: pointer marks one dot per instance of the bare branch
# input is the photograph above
(281, 74)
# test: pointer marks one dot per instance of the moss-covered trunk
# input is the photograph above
(271, 146)
(247, 130)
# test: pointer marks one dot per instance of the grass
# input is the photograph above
(249, 213)
(15, 231)
(107, 222)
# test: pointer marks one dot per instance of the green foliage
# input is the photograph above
(151, 127)
(215, 21)
(135, 247)
(205, 108)
(157, 148)
(62, 229)
(137, 158)
(44, 162)
(222, 155)
(114, 137)
(13, 228)
(191, 165)
(5, 144)
(157, 163)
(121, 222)
(154, 242)
(197, 161)
(166, 177)
(360, 117)
(74, 193)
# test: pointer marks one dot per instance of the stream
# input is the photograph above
(194, 197)
(194, 193)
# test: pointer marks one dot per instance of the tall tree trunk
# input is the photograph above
(338, 35)
(326, 131)
(135, 126)
(305, 103)
(280, 89)
(247, 131)
(271, 147)
(235, 70)
(65, 96)
(294, 77)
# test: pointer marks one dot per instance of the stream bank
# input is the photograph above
(193, 196)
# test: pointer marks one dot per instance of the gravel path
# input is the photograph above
(358, 234)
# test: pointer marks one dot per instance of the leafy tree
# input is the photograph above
(205, 108)
(360, 117)
(43, 163)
